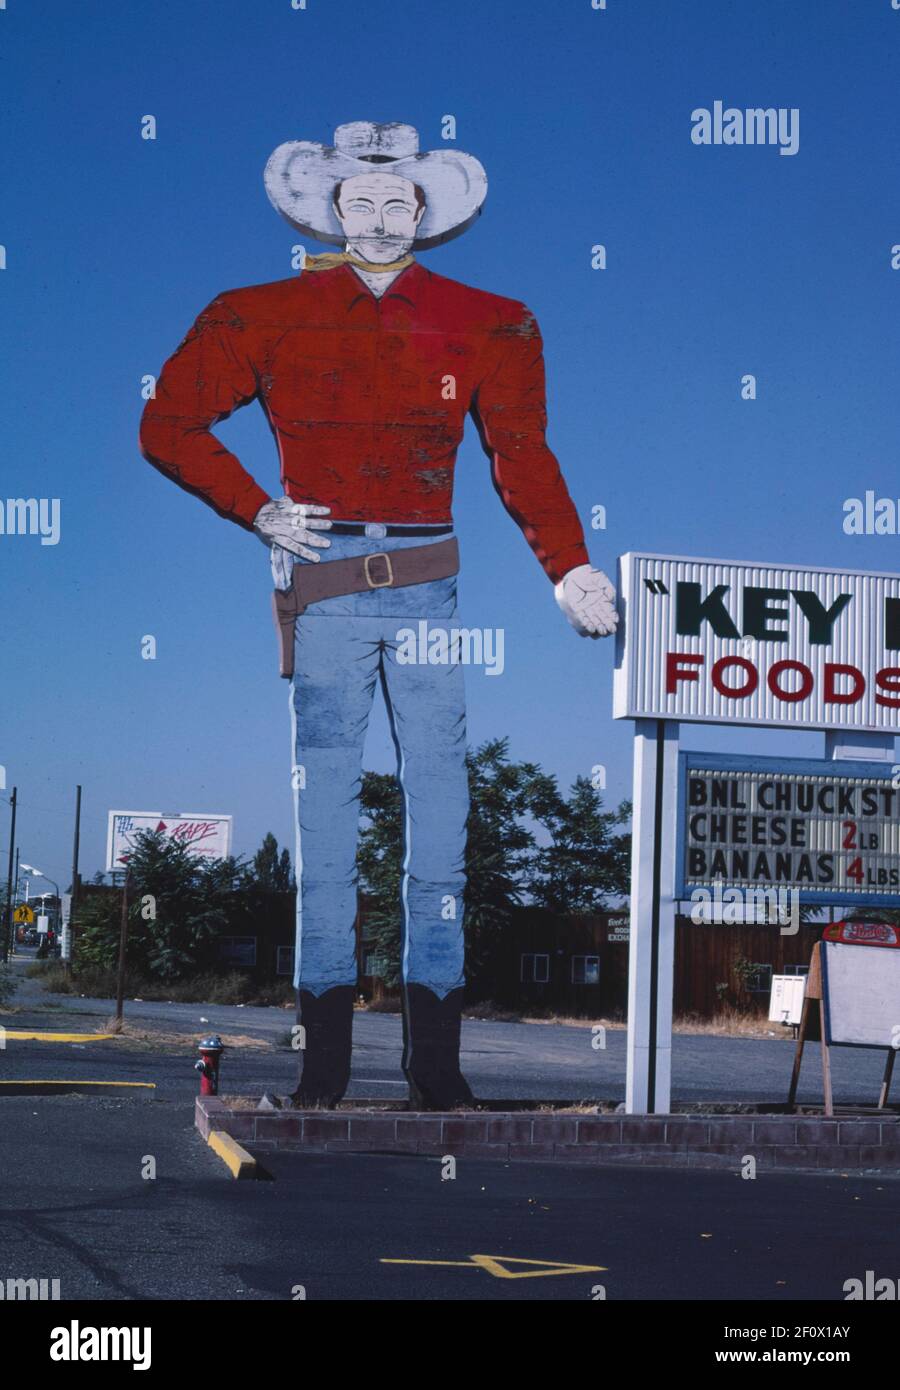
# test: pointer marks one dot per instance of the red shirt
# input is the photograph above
(355, 390)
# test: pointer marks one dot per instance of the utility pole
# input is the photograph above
(7, 934)
(74, 895)
(12, 944)
(123, 941)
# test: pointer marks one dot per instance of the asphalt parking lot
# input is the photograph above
(116, 1195)
(121, 1199)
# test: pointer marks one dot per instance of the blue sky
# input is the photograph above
(721, 261)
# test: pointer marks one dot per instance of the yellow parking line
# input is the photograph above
(58, 1037)
(77, 1085)
(241, 1163)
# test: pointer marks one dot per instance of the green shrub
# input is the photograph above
(8, 984)
(203, 988)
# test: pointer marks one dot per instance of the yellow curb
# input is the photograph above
(241, 1163)
(77, 1085)
(59, 1037)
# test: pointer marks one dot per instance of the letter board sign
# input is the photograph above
(828, 829)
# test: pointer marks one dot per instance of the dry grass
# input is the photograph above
(487, 1011)
(163, 1038)
(729, 1023)
(570, 1021)
(585, 1108)
(244, 1102)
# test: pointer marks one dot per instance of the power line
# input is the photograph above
(51, 811)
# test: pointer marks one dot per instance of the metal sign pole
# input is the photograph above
(651, 949)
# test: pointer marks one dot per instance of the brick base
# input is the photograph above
(687, 1141)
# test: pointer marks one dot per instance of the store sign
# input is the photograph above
(726, 642)
(862, 933)
(828, 830)
(206, 835)
(617, 927)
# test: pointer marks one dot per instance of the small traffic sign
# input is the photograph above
(23, 913)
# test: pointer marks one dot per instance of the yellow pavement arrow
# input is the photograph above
(496, 1265)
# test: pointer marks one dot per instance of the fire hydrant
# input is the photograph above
(211, 1050)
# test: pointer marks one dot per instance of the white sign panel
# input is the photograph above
(720, 641)
(205, 835)
(862, 994)
(786, 999)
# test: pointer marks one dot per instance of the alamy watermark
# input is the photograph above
(872, 1289)
(450, 646)
(732, 906)
(79, 1343)
(755, 125)
(23, 1290)
(871, 516)
(31, 516)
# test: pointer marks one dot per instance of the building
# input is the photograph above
(574, 966)
(566, 965)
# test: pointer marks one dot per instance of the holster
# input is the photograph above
(386, 569)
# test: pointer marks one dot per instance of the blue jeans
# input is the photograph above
(344, 647)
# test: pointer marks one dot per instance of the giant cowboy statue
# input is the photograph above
(349, 360)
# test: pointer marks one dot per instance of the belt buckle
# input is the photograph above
(385, 583)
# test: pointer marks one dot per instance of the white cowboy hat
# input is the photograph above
(301, 176)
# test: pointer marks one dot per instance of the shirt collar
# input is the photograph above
(406, 287)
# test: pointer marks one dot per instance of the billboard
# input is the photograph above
(722, 641)
(205, 835)
(828, 829)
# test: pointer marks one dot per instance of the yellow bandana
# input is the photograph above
(329, 259)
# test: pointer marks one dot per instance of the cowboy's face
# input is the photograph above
(379, 214)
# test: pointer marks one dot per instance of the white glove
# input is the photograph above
(588, 600)
(293, 526)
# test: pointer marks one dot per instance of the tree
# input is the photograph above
(273, 871)
(178, 905)
(8, 984)
(500, 846)
(378, 861)
(586, 859)
(579, 860)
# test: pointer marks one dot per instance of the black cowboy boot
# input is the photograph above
(431, 1028)
(325, 1066)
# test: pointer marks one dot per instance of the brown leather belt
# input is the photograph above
(394, 569)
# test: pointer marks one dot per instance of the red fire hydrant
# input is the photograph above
(211, 1050)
